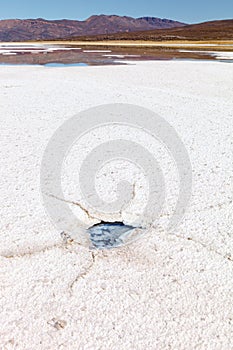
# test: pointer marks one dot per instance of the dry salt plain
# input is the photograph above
(164, 291)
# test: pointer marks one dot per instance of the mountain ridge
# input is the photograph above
(211, 30)
(43, 29)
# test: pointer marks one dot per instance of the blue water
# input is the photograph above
(109, 235)
(47, 64)
(65, 64)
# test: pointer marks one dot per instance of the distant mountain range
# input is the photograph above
(41, 29)
(213, 30)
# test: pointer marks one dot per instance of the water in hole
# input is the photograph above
(109, 235)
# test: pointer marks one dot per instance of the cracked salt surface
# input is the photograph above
(167, 291)
(110, 235)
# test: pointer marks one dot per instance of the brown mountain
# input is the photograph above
(214, 30)
(41, 29)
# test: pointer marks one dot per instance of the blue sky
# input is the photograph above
(183, 10)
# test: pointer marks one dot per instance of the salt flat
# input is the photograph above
(165, 291)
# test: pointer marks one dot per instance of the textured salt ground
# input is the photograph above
(164, 291)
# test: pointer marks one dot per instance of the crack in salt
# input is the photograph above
(227, 257)
(34, 252)
(67, 241)
(83, 274)
(75, 203)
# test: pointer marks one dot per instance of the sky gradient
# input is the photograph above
(183, 10)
